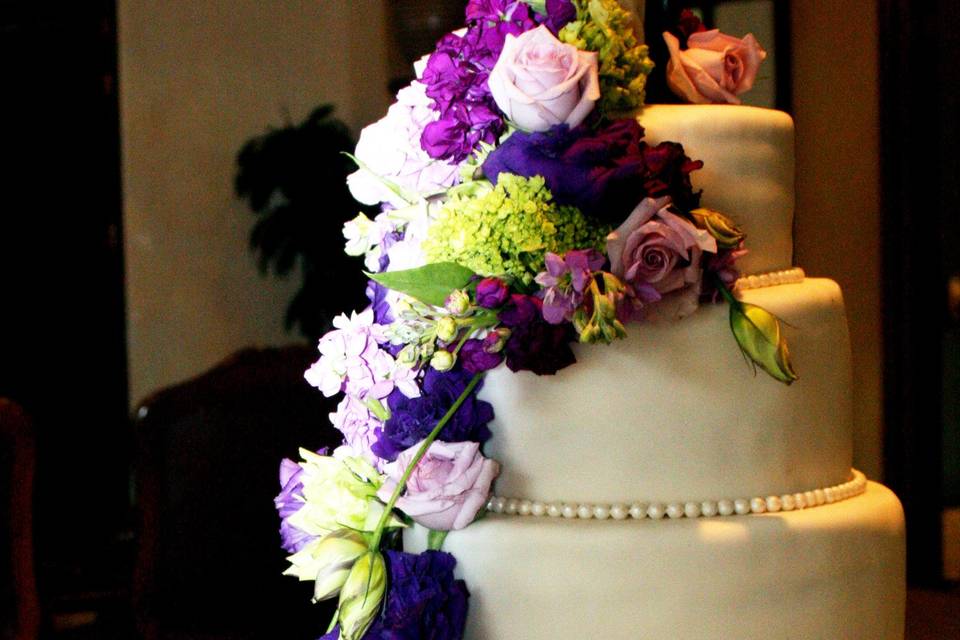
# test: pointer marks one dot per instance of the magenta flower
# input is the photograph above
(492, 293)
(565, 280)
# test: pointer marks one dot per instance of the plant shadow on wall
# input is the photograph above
(294, 180)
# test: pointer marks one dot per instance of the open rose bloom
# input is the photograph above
(540, 82)
(714, 67)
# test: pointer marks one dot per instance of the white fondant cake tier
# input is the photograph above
(674, 412)
(748, 170)
(834, 572)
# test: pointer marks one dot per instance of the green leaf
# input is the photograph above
(435, 539)
(430, 283)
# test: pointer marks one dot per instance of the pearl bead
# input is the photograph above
(675, 510)
(511, 506)
(638, 510)
(799, 500)
(569, 511)
(773, 504)
(788, 502)
(726, 507)
(538, 509)
(585, 511)
(619, 512)
(524, 508)
(810, 498)
(656, 510)
(829, 493)
(758, 505)
(497, 505)
(601, 512)
(820, 496)
(709, 508)
(691, 509)
(741, 506)
(553, 510)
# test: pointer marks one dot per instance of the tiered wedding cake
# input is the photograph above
(607, 517)
(546, 370)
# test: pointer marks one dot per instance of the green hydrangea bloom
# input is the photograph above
(605, 27)
(508, 229)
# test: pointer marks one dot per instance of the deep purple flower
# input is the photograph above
(474, 356)
(534, 344)
(559, 13)
(565, 281)
(423, 602)
(604, 173)
(412, 419)
(720, 265)
(492, 293)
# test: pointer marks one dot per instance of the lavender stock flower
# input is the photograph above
(565, 281)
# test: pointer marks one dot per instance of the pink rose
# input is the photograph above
(540, 82)
(657, 248)
(714, 68)
(447, 488)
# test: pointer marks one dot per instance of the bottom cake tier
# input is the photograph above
(834, 572)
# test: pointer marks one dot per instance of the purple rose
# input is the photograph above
(656, 247)
(447, 488)
(412, 419)
(534, 344)
(540, 82)
(492, 293)
(602, 172)
(423, 601)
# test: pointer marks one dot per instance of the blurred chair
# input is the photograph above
(19, 607)
(209, 562)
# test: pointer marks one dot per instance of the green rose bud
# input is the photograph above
(447, 329)
(758, 333)
(335, 556)
(726, 232)
(443, 360)
(361, 595)
(458, 302)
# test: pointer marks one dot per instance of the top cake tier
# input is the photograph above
(748, 170)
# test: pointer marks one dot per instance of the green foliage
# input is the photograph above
(605, 27)
(507, 230)
(431, 283)
(294, 180)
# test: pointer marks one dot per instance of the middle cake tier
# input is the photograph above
(674, 412)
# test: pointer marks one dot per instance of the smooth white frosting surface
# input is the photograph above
(674, 412)
(748, 171)
(834, 572)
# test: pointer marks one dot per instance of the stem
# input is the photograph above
(724, 291)
(378, 532)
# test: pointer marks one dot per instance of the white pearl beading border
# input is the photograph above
(687, 509)
(771, 279)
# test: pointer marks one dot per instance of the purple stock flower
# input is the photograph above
(474, 356)
(559, 13)
(412, 419)
(565, 280)
(424, 601)
(288, 502)
(492, 293)
(534, 344)
(604, 173)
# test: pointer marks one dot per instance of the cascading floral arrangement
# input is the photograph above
(520, 214)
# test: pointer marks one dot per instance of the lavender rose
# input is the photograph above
(540, 82)
(715, 67)
(656, 247)
(447, 488)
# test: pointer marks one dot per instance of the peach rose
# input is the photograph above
(714, 67)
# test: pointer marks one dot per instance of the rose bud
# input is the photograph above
(458, 302)
(724, 230)
(494, 341)
(361, 595)
(443, 360)
(335, 556)
(447, 329)
(492, 293)
(758, 333)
